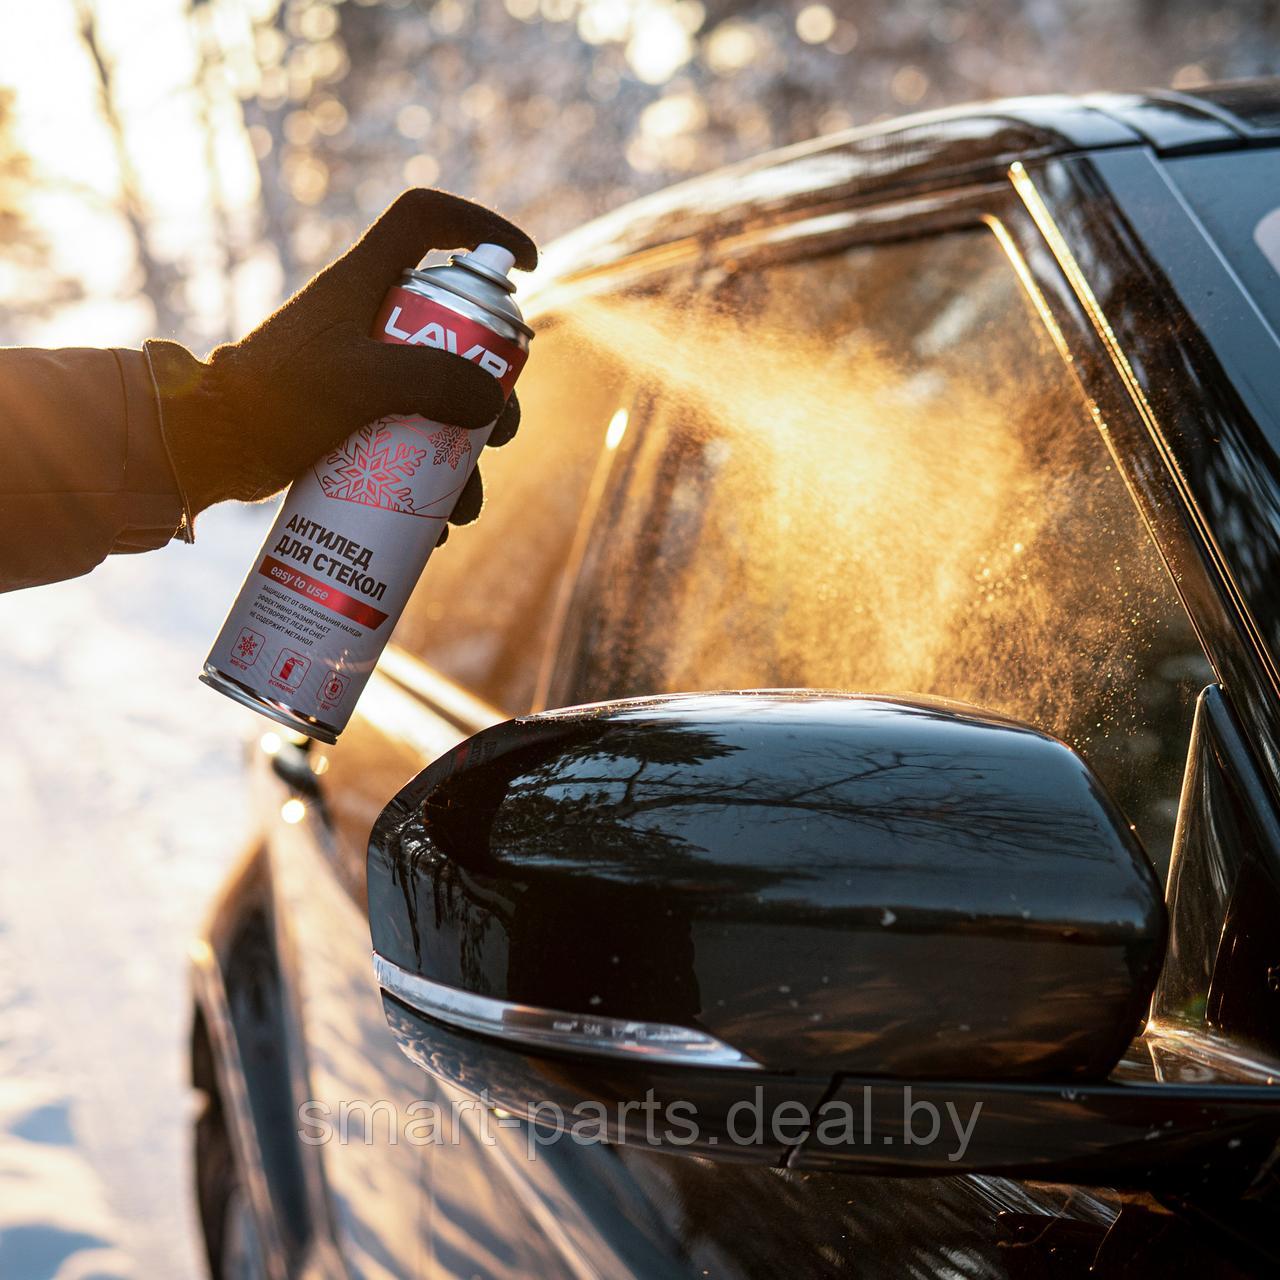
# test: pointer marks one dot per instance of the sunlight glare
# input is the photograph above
(616, 430)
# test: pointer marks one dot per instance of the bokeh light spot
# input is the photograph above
(421, 171)
(733, 45)
(659, 47)
(909, 85)
(413, 121)
(815, 24)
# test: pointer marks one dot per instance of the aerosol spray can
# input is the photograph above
(356, 529)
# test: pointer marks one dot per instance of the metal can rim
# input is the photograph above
(435, 278)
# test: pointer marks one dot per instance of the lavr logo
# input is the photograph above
(437, 335)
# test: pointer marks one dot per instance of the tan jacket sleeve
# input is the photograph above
(83, 466)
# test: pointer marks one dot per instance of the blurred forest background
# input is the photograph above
(216, 152)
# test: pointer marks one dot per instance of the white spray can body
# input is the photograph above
(357, 527)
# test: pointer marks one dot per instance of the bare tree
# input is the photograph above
(159, 279)
(227, 238)
(39, 286)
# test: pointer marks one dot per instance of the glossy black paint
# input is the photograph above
(1109, 1134)
(247, 1061)
(761, 1221)
(1171, 124)
(933, 151)
(825, 882)
(673, 820)
(582, 1088)
(1251, 107)
(930, 152)
(1174, 1136)
(1224, 892)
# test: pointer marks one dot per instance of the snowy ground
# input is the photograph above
(121, 811)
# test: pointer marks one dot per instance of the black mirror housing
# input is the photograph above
(812, 883)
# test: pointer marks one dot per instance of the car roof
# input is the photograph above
(932, 150)
(1250, 106)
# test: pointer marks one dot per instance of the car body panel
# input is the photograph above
(1224, 891)
(936, 149)
(1200, 476)
(1248, 106)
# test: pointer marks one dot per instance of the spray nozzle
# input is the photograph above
(491, 260)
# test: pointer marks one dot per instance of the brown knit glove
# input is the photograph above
(244, 422)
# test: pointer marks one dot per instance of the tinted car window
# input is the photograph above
(1237, 197)
(481, 612)
(874, 472)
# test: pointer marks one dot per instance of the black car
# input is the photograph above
(948, 948)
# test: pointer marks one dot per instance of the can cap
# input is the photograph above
(493, 256)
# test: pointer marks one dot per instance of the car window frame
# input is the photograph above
(826, 229)
(1002, 213)
(997, 208)
(1122, 315)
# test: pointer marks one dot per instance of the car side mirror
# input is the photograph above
(763, 899)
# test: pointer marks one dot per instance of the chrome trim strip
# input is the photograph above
(530, 1027)
(1230, 1062)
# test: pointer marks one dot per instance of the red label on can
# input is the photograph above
(413, 320)
(304, 633)
(322, 593)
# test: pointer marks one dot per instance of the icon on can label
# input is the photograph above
(290, 669)
(332, 689)
(246, 649)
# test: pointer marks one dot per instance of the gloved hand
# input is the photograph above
(244, 422)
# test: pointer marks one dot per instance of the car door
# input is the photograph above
(394, 1151)
(858, 462)
(864, 464)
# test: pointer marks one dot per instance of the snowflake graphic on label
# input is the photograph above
(372, 468)
(453, 444)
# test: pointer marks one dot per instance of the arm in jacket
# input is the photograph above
(110, 451)
(83, 467)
